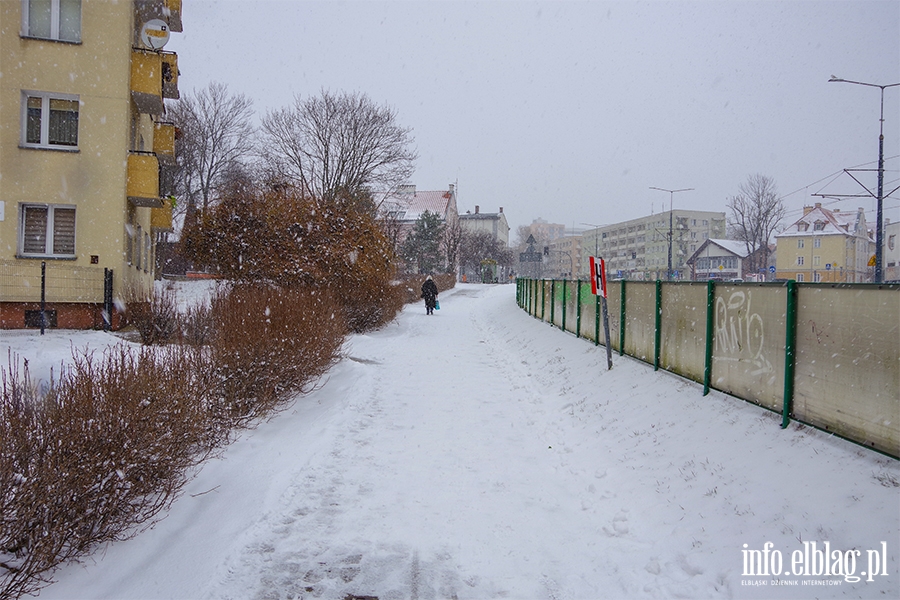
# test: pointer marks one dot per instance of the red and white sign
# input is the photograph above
(598, 275)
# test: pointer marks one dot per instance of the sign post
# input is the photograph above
(598, 287)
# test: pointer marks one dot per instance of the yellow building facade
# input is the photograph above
(83, 140)
(827, 246)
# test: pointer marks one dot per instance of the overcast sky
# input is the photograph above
(571, 111)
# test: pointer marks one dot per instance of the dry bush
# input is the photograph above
(195, 325)
(277, 236)
(156, 318)
(95, 458)
(101, 453)
(268, 345)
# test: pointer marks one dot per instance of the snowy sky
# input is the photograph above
(571, 111)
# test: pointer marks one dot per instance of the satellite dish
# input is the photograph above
(155, 34)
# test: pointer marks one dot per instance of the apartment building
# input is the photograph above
(84, 155)
(563, 257)
(639, 249)
(494, 224)
(826, 245)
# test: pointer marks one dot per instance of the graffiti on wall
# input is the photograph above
(739, 333)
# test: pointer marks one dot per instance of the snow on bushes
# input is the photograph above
(102, 452)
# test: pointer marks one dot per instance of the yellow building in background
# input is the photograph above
(826, 246)
(83, 143)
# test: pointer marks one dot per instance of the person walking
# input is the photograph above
(429, 293)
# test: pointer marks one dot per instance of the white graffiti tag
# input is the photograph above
(739, 332)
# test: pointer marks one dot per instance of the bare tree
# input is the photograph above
(451, 245)
(339, 145)
(755, 213)
(215, 138)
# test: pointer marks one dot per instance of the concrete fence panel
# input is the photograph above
(640, 315)
(684, 329)
(748, 342)
(848, 363)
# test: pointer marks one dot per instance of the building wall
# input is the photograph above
(836, 258)
(891, 252)
(91, 177)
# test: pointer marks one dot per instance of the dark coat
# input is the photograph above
(429, 292)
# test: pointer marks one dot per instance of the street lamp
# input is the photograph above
(879, 238)
(671, 193)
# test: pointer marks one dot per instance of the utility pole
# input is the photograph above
(879, 223)
(671, 229)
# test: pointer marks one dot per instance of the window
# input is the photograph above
(799, 261)
(799, 276)
(817, 277)
(146, 252)
(49, 120)
(800, 243)
(47, 230)
(892, 239)
(818, 225)
(52, 19)
(817, 242)
(816, 260)
(137, 247)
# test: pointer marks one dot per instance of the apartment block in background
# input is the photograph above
(639, 249)
(83, 145)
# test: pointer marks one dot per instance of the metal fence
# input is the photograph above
(20, 281)
(827, 355)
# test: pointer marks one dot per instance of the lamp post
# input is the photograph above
(671, 194)
(596, 239)
(879, 237)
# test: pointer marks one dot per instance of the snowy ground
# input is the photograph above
(479, 453)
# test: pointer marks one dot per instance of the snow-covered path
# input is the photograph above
(479, 453)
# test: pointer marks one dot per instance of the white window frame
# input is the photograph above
(54, 22)
(799, 277)
(50, 230)
(817, 242)
(800, 243)
(799, 261)
(44, 142)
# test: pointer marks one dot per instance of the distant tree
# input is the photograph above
(214, 140)
(754, 215)
(422, 248)
(477, 246)
(451, 245)
(339, 147)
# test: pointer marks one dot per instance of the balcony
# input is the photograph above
(164, 142)
(154, 76)
(170, 75)
(173, 8)
(167, 10)
(142, 188)
(161, 218)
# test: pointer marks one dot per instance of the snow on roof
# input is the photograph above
(821, 221)
(734, 246)
(414, 204)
